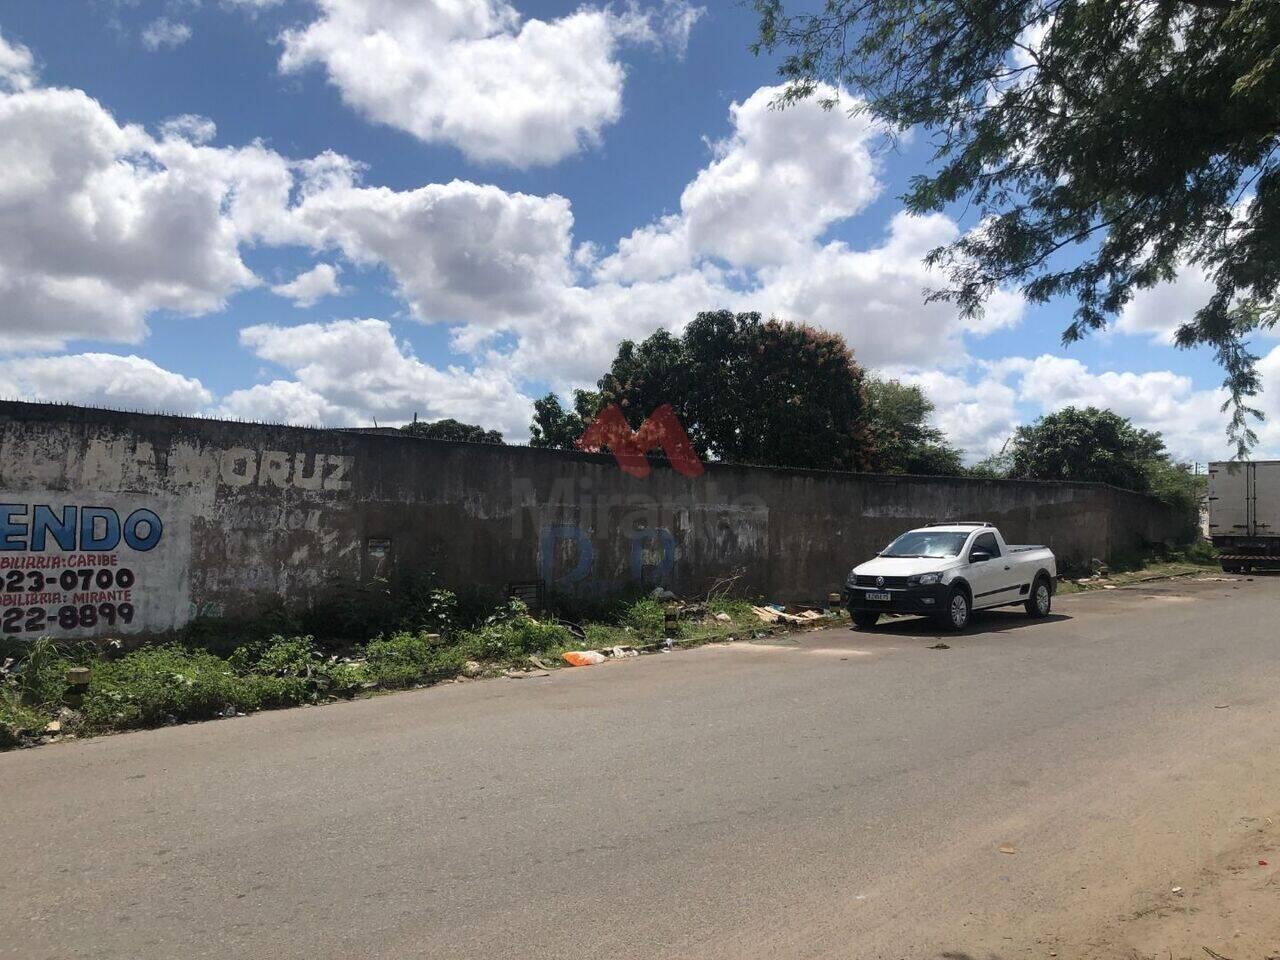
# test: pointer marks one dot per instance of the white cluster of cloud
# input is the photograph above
(980, 412)
(354, 371)
(460, 252)
(104, 380)
(17, 66)
(163, 32)
(1158, 311)
(311, 286)
(104, 224)
(477, 75)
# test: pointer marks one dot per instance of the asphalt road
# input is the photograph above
(846, 795)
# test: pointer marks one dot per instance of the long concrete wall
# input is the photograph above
(117, 523)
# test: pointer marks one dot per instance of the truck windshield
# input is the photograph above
(926, 543)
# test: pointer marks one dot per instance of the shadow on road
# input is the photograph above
(984, 621)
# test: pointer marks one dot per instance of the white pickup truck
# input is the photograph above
(947, 571)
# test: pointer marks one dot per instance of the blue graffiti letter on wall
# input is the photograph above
(553, 535)
(151, 528)
(95, 537)
(44, 522)
(11, 530)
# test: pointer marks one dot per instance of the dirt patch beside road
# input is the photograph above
(1231, 907)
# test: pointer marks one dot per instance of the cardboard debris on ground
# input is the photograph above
(774, 614)
(765, 614)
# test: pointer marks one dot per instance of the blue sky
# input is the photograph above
(477, 200)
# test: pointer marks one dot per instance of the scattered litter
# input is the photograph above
(1221, 706)
(1008, 848)
(724, 617)
(228, 712)
(583, 658)
(772, 613)
(53, 726)
(941, 646)
(1262, 863)
(1108, 586)
(525, 674)
(662, 593)
(621, 653)
(1177, 890)
(472, 669)
(765, 614)
(573, 628)
(668, 643)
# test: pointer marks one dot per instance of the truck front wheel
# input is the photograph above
(955, 615)
(864, 619)
(1041, 598)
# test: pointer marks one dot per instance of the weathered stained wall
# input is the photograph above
(150, 520)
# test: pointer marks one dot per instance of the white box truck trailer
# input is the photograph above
(1244, 514)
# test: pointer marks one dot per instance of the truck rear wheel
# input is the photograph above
(864, 619)
(1041, 598)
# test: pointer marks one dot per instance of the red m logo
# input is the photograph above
(662, 429)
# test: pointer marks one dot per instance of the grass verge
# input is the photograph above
(182, 681)
(1199, 557)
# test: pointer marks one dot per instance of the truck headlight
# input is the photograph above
(924, 579)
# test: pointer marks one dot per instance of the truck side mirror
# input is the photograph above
(979, 556)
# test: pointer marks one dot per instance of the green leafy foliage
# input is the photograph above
(905, 441)
(1104, 145)
(305, 672)
(1087, 445)
(40, 675)
(736, 609)
(645, 617)
(1176, 485)
(173, 682)
(405, 658)
(18, 721)
(746, 390)
(452, 430)
(998, 466)
(1103, 447)
(510, 635)
(163, 684)
(556, 428)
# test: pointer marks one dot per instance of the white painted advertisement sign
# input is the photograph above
(92, 564)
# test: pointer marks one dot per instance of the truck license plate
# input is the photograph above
(879, 596)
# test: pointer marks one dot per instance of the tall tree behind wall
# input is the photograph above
(1104, 145)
